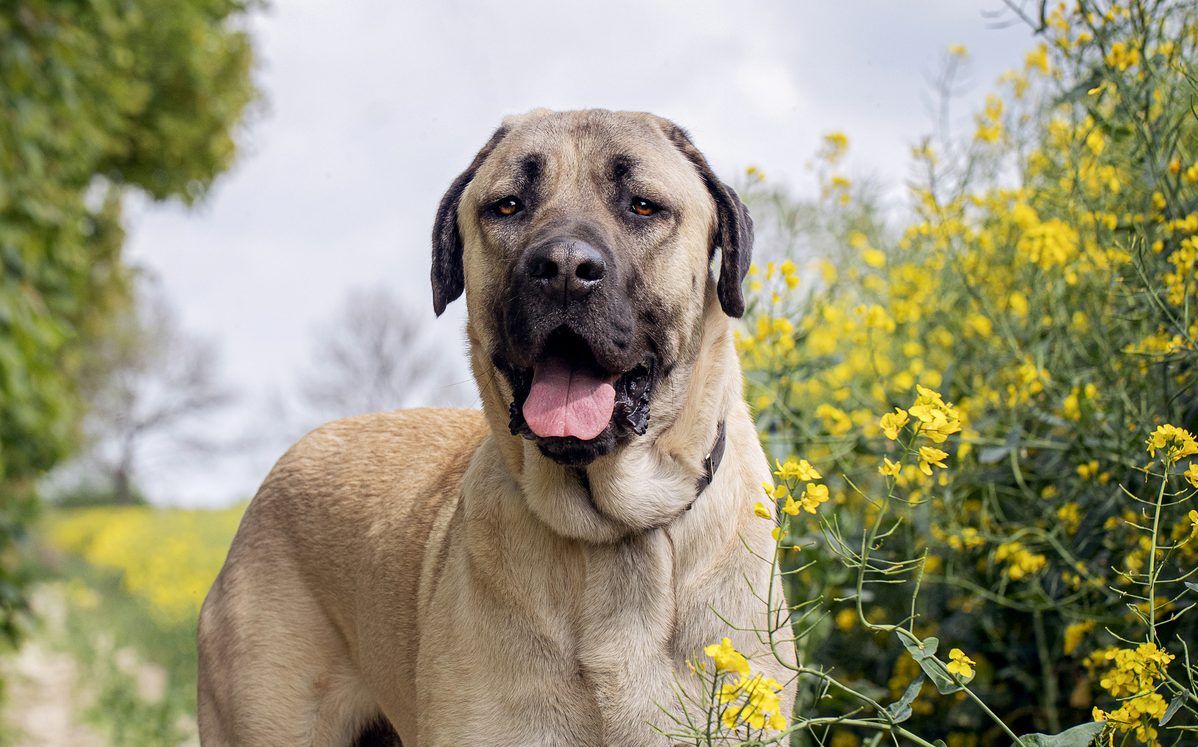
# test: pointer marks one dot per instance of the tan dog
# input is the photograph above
(539, 573)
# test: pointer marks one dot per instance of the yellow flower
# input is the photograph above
(846, 619)
(889, 468)
(957, 50)
(814, 495)
(1037, 59)
(938, 419)
(835, 146)
(792, 506)
(727, 658)
(1177, 443)
(1191, 475)
(1020, 561)
(893, 422)
(761, 510)
(800, 470)
(775, 492)
(1123, 56)
(1049, 244)
(1075, 633)
(960, 664)
(930, 456)
(761, 706)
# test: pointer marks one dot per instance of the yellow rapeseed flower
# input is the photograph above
(761, 707)
(1123, 56)
(938, 419)
(1051, 243)
(1177, 443)
(1191, 475)
(1037, 59)
(889, 468)
(960, 664)
(1075, 633)
(800, 470)
(814, 495)
(727, 658)
(930, 456)
(893, 422)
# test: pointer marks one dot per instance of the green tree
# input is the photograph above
(97, 97)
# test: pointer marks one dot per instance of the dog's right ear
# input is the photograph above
(448, 273)
(734, 229)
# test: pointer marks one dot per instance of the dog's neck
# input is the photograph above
(652, 480)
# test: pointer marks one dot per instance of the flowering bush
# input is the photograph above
(959, 407)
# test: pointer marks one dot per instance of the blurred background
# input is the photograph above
(214, 221)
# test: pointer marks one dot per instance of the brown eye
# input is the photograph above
(643, 207)
(508, 206)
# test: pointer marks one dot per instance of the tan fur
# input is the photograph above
(428, 565)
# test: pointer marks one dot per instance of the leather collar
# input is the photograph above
(711, 462)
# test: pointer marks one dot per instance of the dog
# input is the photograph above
(542, 572)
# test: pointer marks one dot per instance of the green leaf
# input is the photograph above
(922, 650)
(1079, 736)
(1174, 707)
(900, 710)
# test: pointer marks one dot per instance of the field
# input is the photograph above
(118, 593)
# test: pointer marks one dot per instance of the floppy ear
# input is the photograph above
(734, 228)
(448, 274)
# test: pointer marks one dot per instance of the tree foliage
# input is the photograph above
(97, 98)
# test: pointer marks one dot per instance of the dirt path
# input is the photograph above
(41, 684)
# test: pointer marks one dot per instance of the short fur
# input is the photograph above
(464, 584)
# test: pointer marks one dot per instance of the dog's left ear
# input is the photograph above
(734, 228)
(449, 274)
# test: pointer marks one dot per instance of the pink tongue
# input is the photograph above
(566, 401)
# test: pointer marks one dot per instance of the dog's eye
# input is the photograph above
(508, 206)
(643, 207)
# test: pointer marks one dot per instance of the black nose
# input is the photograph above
(565, 269)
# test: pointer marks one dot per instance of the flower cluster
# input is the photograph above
(934, 419)
(1176, 443)
(1133, 676)
(1038, 299)
(744, 698)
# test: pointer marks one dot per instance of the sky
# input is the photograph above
(371, 107)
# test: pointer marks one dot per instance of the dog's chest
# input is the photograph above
(584, 641)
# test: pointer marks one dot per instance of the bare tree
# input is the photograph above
(376, 354)
(149, 386)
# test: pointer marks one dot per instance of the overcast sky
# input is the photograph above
(373, 106)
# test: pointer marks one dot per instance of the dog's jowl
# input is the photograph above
(542, 571)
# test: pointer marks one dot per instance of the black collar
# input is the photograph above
(711, 462)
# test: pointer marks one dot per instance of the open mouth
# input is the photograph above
(574, 407)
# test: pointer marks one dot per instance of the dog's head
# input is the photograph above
(584, 242)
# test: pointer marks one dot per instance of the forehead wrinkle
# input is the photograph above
(516, 173)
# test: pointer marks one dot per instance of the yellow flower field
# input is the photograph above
(166, 557)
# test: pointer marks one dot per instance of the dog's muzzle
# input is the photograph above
(581, 371)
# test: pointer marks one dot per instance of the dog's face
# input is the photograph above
(583, 241)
